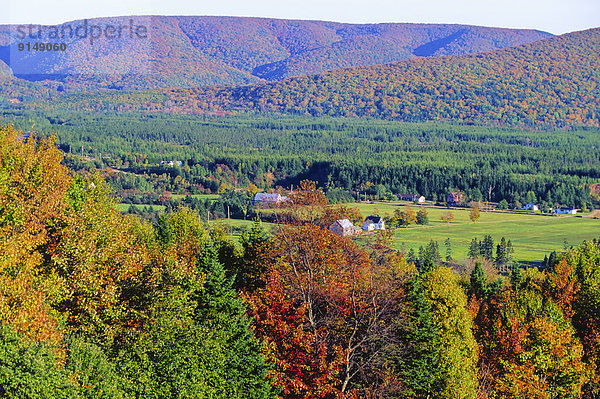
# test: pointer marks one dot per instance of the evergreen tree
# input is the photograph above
(252, 266)
(478, 285)
(429, 257)
(418, 364)
(516, 275)
(474, 249)
(501, 259)
(198, 341)
(411, 256)
(552, 260)
(487, 248)
(448, 250)
(242, 369)
(509, 251)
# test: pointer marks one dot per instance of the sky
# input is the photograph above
(554, 16)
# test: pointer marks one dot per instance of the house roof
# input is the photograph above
(345, 223)
(373, 219)
(267, 197)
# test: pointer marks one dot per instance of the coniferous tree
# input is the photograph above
(478, 283)
(516, 275)
(243, 369)
(252, 265)
(509, 251)
(487, 248)
(474, 250)
(418, 365)
(501, 259)
(448, 250)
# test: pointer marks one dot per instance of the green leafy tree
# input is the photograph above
(458, 348)
(422, 216)
(30, 370)
(503, 204)
(197, 340)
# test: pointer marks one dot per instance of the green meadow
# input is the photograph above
(532, 235)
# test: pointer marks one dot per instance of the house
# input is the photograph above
(416, 198)
(267, 198)
(373, 223)
(455, 198)
(171, 164)
(530, 207)
(343, 228)
(567, 211)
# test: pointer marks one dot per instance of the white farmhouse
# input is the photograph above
(268, 198)
(566, 211)
(373, 223)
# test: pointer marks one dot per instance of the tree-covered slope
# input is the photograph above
(196, 51)
(550, 82)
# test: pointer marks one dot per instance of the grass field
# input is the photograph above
(199, 196)
(532, 235)
(236, 226)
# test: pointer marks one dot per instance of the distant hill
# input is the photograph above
(199, 51)
(553, 82)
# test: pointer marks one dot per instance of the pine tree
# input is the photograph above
(487, 248)
(197, 340)
(501, 259)
(448, 250)
(251, 267)
(509, 251)
(516, 275)
(243, 370)
(478, 283)
(418, 364)
(474, 248)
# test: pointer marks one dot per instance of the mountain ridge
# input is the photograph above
(191, 51)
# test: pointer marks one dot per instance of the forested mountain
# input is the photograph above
(549, 82)
(196, 51)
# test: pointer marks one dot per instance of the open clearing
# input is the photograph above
(532, 235)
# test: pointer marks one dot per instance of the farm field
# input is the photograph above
(533, 235)
(197, 196)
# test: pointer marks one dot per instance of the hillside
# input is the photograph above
(553, 82)
(197, 51)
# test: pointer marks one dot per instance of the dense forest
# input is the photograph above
(348, 155)
(97, 304)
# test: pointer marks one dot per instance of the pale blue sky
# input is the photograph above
(555, 16)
